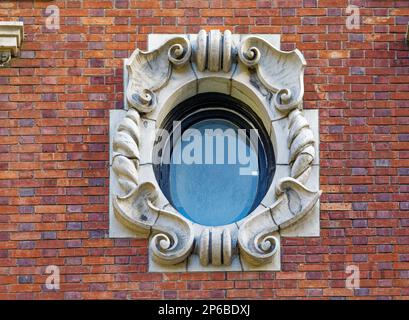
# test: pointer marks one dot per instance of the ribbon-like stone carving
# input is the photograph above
(126, 158)
(256, 236)
(172, 236)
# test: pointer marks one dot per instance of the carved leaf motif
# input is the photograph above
(150, 71)
(301, 144)
(126, 151)
(256, 241)
(172, 239)
(296, 201)
(279, 71)
(133, 209)
(256, 236)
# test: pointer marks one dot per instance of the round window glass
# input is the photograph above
(214, 159)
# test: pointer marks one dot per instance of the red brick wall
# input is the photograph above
(54, 114)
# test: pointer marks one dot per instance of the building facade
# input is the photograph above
(66, 79)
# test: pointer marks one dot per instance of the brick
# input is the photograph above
(54, 141)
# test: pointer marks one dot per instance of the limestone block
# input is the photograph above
(11, 36)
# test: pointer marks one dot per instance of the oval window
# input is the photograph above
(214, 160)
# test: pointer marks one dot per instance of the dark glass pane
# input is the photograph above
(207, 192)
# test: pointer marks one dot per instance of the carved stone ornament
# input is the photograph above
(270, 81)
(11, 38)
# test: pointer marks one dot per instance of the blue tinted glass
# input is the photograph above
(219, 187)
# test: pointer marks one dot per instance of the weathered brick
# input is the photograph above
(54, 144)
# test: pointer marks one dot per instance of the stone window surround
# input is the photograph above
(181, 66)
(11, 38)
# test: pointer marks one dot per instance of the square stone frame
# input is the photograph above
(307, 226)
(11, 39)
